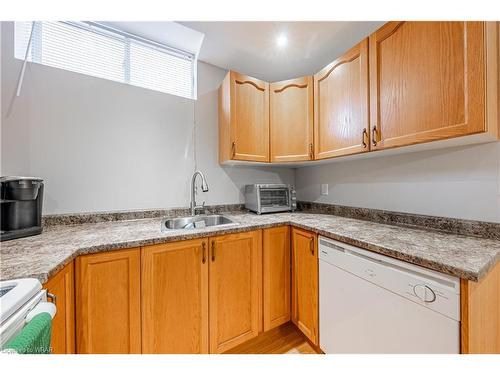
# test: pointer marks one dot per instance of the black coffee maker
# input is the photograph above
(21, 200)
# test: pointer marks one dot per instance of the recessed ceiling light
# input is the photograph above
(281, 40)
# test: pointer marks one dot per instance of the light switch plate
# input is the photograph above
(324, 189)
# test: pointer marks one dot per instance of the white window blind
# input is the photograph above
(102, 52)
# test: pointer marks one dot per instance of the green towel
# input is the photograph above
(34, 338)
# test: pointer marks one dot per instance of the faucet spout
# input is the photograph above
(204, 188)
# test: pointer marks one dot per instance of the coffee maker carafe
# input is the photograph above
(21, 200)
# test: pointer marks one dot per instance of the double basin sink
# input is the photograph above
(195, 222)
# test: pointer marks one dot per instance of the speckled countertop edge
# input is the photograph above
(407, 244)
(417, 260)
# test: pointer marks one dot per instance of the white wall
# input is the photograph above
(101, 145)
(461, 182)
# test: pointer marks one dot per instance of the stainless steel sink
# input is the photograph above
(195, 222)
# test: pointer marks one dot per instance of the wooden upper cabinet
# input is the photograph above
(305, 283)
(291, 116)
(408, 83)
(276, 276)
(175, 298)
(243, 119)
(427, 81)
(341, 104)
(235, 289)
(62, 285)
(108, 302)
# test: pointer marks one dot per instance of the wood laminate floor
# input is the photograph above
(285, 339)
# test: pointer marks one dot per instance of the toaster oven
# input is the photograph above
(265, 198)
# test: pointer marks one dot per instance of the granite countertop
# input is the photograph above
(43, 255)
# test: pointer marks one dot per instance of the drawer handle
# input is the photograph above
(311, 246)
(204, 252)
(213, 251)
(374, 135)
(363, 138)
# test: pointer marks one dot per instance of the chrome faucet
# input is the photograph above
(204, 188)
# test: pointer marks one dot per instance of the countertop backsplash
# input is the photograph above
(449, 225)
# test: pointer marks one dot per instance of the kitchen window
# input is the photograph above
(100, 51)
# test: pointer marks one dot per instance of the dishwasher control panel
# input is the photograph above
(429, 288)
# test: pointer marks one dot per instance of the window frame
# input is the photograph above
(35, 56)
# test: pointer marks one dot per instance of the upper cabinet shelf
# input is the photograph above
(409, 83)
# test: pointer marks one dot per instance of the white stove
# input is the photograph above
(20, 301)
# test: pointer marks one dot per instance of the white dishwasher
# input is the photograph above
(370, 303)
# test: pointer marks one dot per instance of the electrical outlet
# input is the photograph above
(324, 189)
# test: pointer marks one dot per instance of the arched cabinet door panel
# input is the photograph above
(341, 105)
(291, 117)
(243, 118)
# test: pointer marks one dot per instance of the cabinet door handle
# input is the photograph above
(213, 251)
(311, 151)
(311, 246)
(363, 138)
(204, 253)
(233, 148)
(374, 135)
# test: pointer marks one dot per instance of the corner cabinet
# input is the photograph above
(432, 81)
(243, 119)
(63, 324)
(291, 120)
(235, 289)
(341, 103)
(108, 302)
(175, 298)
(305, 308)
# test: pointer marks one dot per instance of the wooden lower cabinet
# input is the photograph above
(209, 295)
(175, 298)
(235, 289)
(276, 276)
(108, 302)
(480, 314)
(63, 324)
(305, 283)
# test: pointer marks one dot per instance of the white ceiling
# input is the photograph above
(250, 47)
(170, 33)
